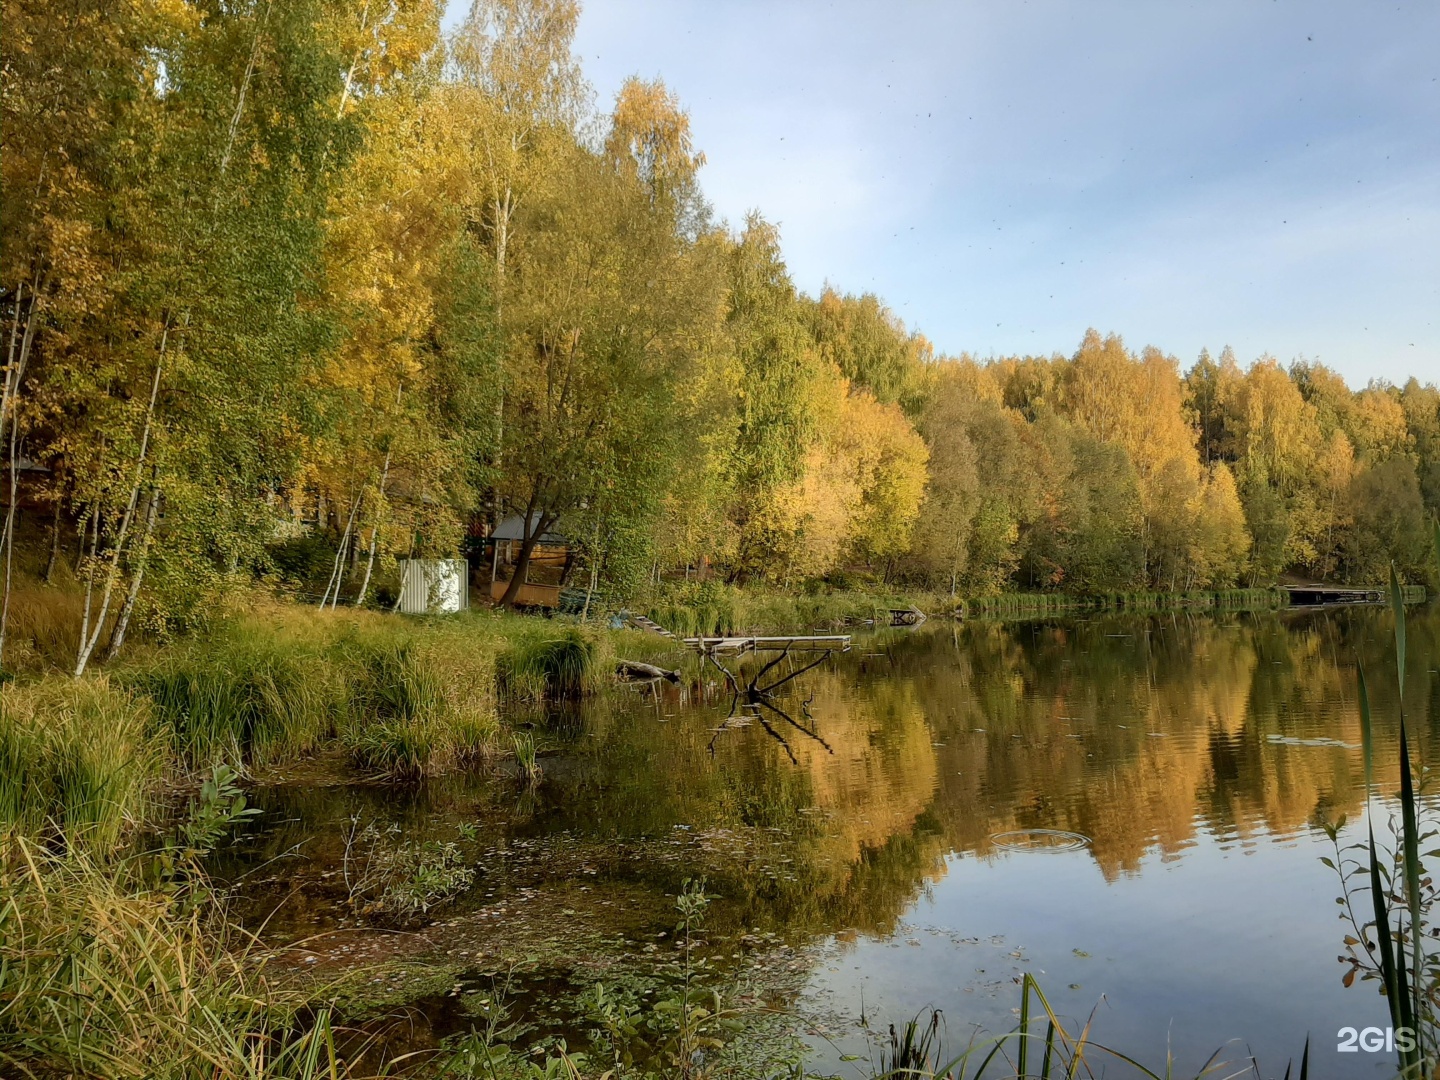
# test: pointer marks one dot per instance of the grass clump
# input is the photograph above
(549, 665)
(243, 695)
(404, 699)
(416, 707)
(102, 976)
(76, 762)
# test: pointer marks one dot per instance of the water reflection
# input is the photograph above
(1170, 742)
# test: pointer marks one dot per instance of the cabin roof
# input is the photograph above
(513, 528)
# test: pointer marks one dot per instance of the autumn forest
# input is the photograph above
(316, 268)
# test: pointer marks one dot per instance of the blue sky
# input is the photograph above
(1264, 174)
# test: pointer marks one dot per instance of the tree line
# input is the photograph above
(317, 268)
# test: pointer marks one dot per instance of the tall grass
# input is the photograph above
(549, 664)
(76, 762)
(243, 695)
(404, 698)
(43, 624)
(103, 977)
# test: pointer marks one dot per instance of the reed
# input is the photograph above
(525, 757)
(77, 763)
(243, 696)
(1390, 946)
(104, 977)
(1040, 1047)
(409, 714)
(549, 665)
(404, 699)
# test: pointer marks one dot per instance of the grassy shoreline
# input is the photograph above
(725, 610)
(403, 697)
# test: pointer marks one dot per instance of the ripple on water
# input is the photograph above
(1043, 840)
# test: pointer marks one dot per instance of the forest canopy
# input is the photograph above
(315, 269)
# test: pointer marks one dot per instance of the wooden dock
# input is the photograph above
(1310, 595)
(802, 643)
(643, 623)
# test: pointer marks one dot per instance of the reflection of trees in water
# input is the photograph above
(1139, 733)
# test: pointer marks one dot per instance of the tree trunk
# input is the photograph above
(54, 545)
(339, 564)
(240, 96)
(15, 363)
(9, 542)
(350, 74)
(10, 403)
(590, 592)
(374, 533)
(522, 563)
(122, 622)
(90, 577)
(400, 592)
(89, 641)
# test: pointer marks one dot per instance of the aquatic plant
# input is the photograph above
(1389, 946)
(219, 806)
(525, 757)
(386, 874)
(917, 1052)
(489, 1053)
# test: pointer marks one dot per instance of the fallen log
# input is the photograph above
(635, 670)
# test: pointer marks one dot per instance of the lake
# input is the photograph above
(901, 842)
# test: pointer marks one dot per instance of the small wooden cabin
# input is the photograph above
(550, 564)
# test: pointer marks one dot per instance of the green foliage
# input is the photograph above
(303, 560)
(1388, 526)
(218, 808)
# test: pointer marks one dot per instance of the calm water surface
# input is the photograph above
(1198, 756)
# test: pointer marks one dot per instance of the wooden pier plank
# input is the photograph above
(780, 643)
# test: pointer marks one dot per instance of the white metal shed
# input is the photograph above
(434, 585)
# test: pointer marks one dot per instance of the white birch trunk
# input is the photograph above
(337, 572)
(374, 534)
(240, 97)
(122, 622)
(89, 639)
